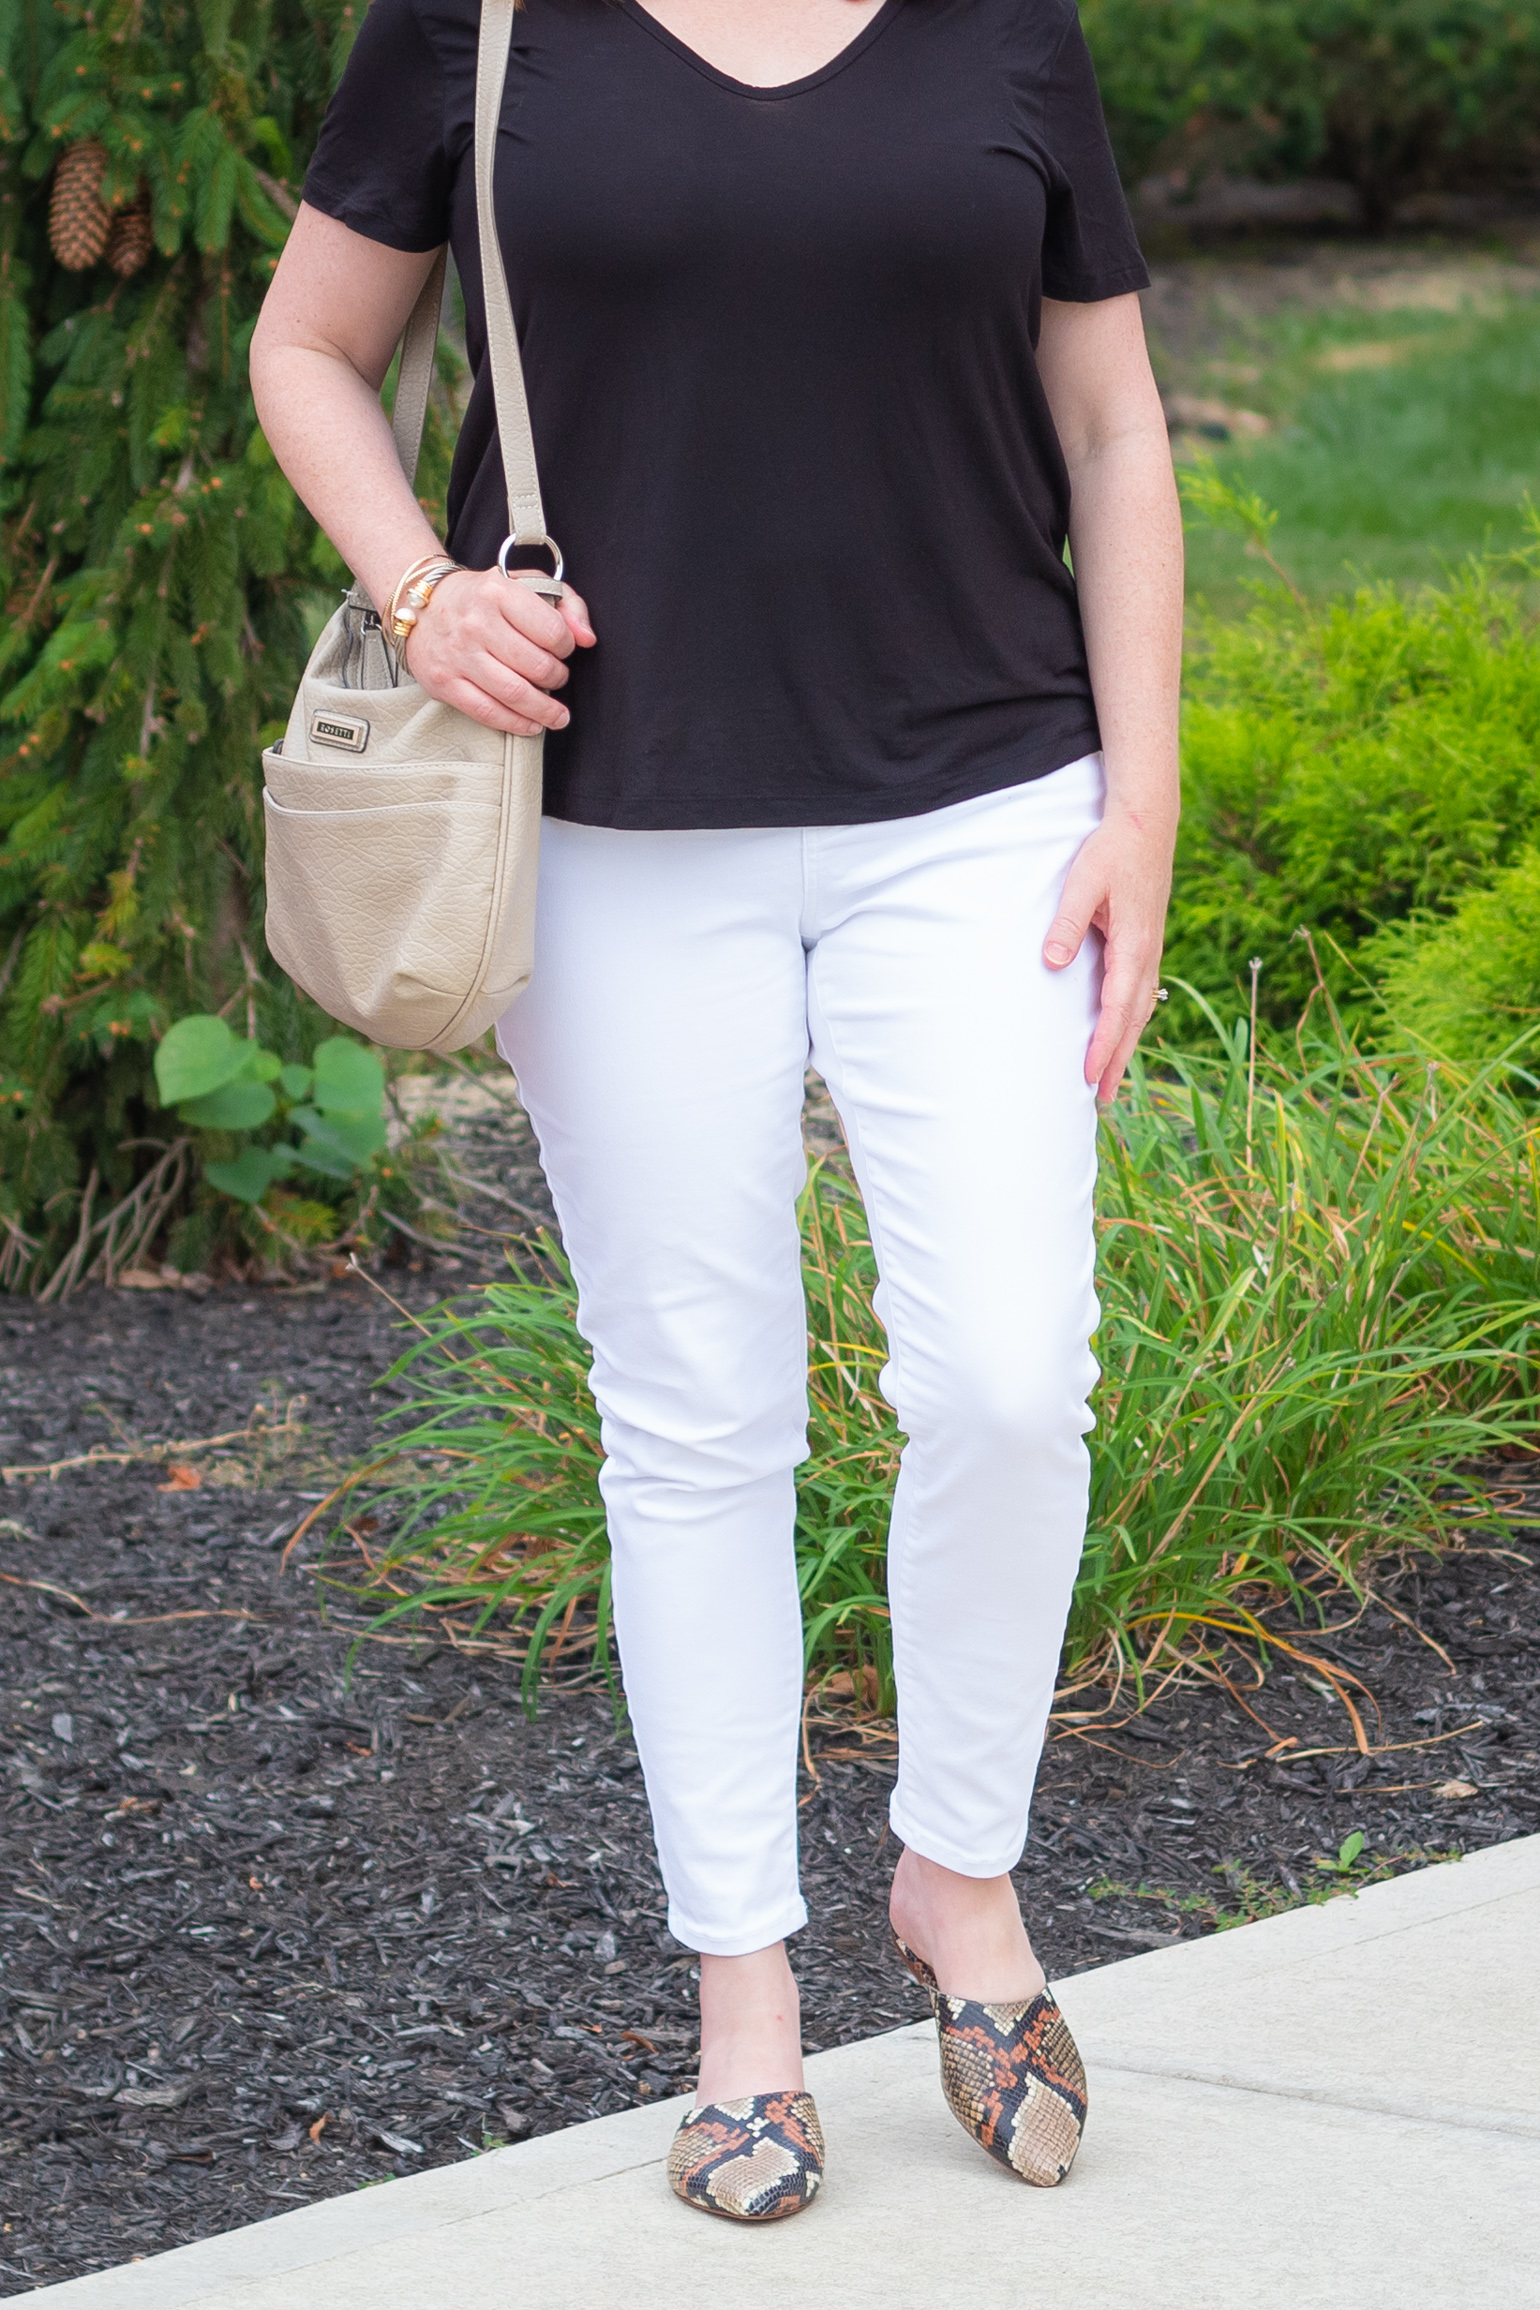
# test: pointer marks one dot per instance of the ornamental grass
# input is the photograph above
(1320, 1313)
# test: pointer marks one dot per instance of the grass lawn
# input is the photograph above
(1402, 413)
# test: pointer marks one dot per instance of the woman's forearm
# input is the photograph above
(1126, 539)
(1125, 533)
(323, 343)
(491, 648)
(329, 433)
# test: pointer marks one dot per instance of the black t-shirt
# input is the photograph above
(780, 355)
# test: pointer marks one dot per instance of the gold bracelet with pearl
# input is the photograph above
(413, 592)
(425, 562)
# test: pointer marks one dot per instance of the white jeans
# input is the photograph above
(682, 982)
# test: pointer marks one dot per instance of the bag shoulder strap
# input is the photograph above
(526, 517)
(414, 378)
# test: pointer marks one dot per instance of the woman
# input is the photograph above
(829, 316)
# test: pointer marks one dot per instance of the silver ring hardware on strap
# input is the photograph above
(551, 547)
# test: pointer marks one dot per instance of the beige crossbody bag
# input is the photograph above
(403, 838)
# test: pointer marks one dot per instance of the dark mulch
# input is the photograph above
(276, 1929)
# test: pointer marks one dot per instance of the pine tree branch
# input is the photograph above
(278, 194)
(8, 967)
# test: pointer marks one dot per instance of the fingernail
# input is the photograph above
(562, 719)
(1056, 954)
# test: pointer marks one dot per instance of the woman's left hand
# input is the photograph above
(1118, 885)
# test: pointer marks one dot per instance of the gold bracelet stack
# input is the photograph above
(413, 591)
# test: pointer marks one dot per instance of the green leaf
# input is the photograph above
(350, 1139)
(295, 1082)
(265, 1065)
(252, 1173)
(349, 1079)
(195, 1057)
(238, 1106)
(1349, 1850)
(320, 1155)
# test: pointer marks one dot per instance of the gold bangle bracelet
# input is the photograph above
(413, 594)
(424, 562)
(415, 586)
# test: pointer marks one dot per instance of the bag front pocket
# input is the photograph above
(429, 869)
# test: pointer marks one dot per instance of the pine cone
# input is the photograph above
(78, 224)
(132, 238)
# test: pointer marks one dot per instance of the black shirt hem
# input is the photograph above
(1095, 288)
(722, 814)
(342, 204)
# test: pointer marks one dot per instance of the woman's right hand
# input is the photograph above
(496, 649)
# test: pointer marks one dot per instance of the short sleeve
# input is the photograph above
(380, 164)
(1090, 249)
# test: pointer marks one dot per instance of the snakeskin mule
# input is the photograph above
(1012, 2076)
(754, 2160)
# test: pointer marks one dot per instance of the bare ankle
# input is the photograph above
(751, 2027)
(969, 1929)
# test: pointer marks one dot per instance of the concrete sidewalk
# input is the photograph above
(1339, 2107)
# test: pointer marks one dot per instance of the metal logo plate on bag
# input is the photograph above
(349, 731)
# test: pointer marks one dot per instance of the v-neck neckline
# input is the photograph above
(837, 63)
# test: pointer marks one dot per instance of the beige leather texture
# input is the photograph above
(403, 838)
(526, 520)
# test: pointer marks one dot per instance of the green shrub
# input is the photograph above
(1319, 1300)
(1348, 766)
(240, 1100)
(218, 1187)
(1471, 984)
(161, 581)
(223, 1083)
(1190, 86)
(1389, 96)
